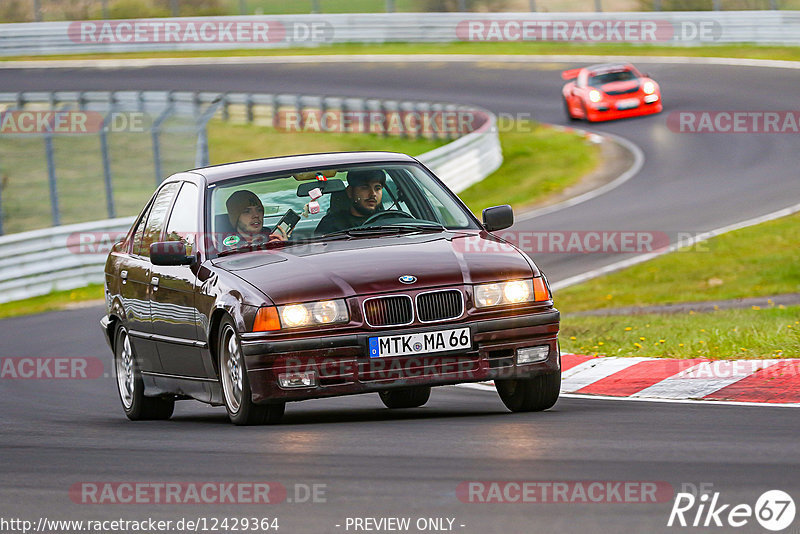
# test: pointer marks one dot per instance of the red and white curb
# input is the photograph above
(771, 382)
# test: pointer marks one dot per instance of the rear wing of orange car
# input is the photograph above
(570, 74)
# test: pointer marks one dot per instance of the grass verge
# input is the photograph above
(57, 300)
(765, 333)
(527, 149)
(757, 261)
(744, 50)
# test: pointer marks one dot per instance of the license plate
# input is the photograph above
(420, 343)
(628, 104)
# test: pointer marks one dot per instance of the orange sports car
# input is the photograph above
(609, 91)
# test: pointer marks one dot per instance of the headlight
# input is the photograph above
(510, 292)
(318, 313)
(595, 95)
(649, 88)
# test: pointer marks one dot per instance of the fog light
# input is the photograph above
(297, 380)
(649, 99)
(532, 354)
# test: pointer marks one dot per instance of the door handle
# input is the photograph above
(154, 282)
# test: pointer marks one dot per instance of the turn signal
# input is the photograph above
(540, 292)
(267, 320)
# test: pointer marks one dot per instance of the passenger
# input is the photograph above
(246, 214)
(364, 199)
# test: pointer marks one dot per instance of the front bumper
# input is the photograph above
(342, 366)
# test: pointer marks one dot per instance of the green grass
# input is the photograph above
(760, 260)
(765, 333)
(236, 142)
(757, 261)
(537, 162)
(56, 300)
(749, 51)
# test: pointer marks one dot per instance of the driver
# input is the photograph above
(246, 214)
(365, 193)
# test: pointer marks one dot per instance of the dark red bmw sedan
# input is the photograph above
(253, 284)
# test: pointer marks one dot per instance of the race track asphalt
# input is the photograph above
(378, 463)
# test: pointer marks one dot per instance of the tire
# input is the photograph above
(530, 394)
(235, 384)
(131, 387)
(406, 398)
(585, 113)
(568, 113)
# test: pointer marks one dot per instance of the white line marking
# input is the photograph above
(638, 162)
(388, 58)
(705, 236)
(704, 379)
(481, 386)
(604, 367)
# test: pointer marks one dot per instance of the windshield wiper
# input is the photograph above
(359, 231)
(259, 246)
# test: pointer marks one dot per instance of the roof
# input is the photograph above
(216, 173)
(608, 67)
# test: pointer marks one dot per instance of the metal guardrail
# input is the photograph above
(679, 28)
(71, 256)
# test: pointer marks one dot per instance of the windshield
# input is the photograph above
(317, 204)
(608, 77)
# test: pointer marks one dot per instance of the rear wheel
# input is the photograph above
(236, 386)
(406, 398)
(131, 387)
(530, 394)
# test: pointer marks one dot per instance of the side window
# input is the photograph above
(155, 220)
(182, 224)
(137, 235)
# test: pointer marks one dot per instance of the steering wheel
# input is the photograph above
(388, 213)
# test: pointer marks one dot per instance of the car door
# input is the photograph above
(172, 300)
(136, 288)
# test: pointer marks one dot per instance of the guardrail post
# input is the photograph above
(598, 6)
(37, 10)
(107, 165)
(298, 106)
(1, 204)
(315, 7)
(390, 6)
(532, 6)
(51, 179)
(717, 6)
(175, 8)
(226, 113)
(462, 5)
(243, 7)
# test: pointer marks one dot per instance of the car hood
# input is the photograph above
(369, 265)
(618, 87)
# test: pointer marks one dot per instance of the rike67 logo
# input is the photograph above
(774, 510)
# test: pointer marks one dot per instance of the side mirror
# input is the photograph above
(498, 218)
(170, 253)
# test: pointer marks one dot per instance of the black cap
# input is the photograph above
(361, 177)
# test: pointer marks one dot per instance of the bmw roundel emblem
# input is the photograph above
(407, 279)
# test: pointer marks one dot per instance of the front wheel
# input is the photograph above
(406, 398)
(236, 386)
(567, 112)
(530, 394)
(131, 387)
